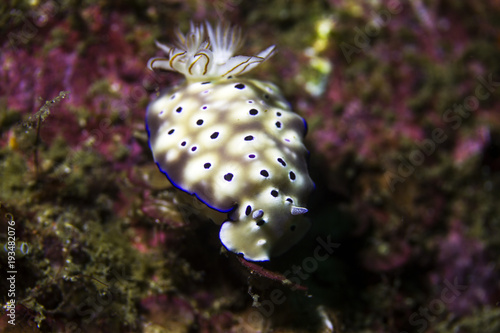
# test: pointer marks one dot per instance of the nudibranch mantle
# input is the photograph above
(233, 143)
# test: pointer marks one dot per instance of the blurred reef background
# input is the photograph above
(403, 104)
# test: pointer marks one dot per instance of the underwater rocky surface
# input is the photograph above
(402, 100)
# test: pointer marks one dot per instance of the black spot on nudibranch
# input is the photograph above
(292, 175)
(290, 200)
(274, 193)
(248, 210)
(251, 156)
(228, 177)
(208, 82)
(207, 165)
(264, 173)
(194, 148)
(278, 124)
(248, 138)
(282, 162)
(253, 112)
(214, 135)
(260, 223)
(179, 109)
(183, 143)
(171, 131)
(278, 114)
(199, 122)
(240, 86)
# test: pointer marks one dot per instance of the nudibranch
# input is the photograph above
(233, 143)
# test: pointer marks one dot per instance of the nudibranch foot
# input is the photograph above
(261, 242)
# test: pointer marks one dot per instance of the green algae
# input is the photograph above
(77, 265)
(59, 37)
(39, 117)
(13, 169)
(485, 320)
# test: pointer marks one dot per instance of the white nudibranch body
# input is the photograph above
(233, 143)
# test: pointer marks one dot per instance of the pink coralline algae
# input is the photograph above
(395, 254)
(473, 145)
(28, 79)
(466, 262)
